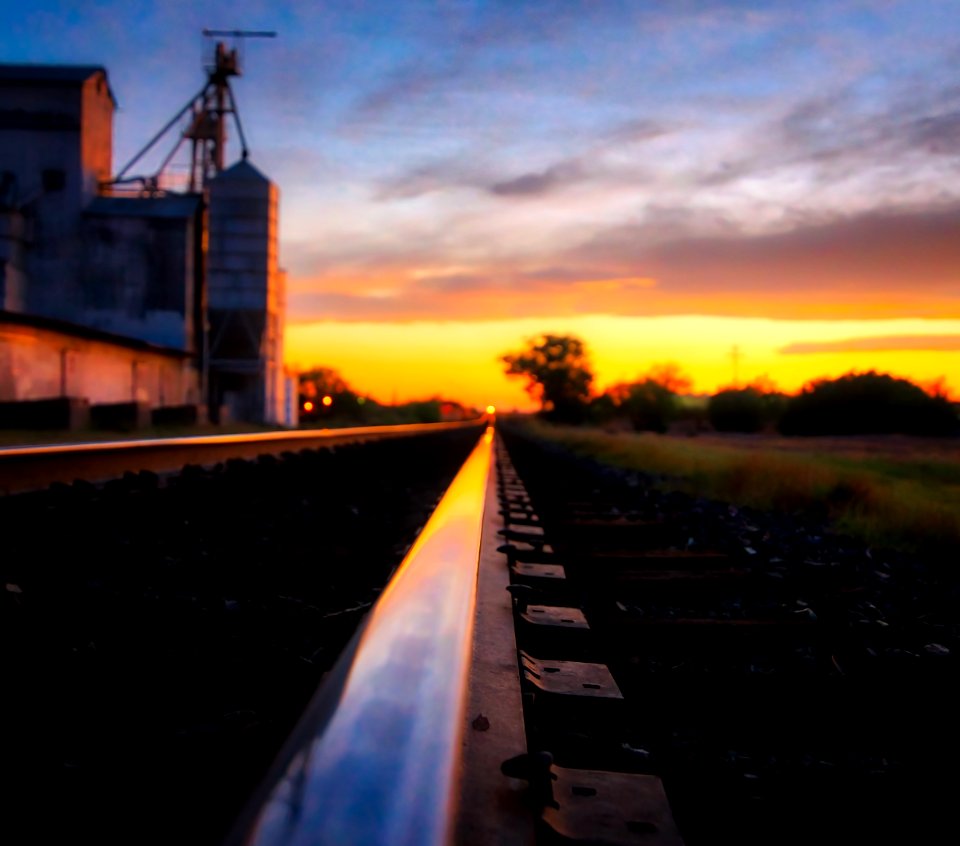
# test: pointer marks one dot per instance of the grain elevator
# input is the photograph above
(131, 297)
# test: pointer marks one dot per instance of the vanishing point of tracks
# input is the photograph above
(564, 655)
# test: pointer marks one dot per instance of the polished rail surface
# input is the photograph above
(375, 759)
(216, 440)
(30, 467)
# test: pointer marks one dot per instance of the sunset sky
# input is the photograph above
(667, 180)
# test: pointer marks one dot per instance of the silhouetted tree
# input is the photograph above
(867, 403)
(323, 382)
(749, 409)
(558, 375)
(648, 405)
(737, 410)
(602, 409)
(669, 375)
(652, 402)
(937, 388)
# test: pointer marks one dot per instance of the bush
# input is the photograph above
(744, 410)
(867, 403)
(737, 410)
(649, 406)
(602, 409)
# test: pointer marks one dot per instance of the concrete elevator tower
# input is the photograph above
(245, 296)
(56, 146)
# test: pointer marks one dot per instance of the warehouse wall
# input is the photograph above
(39, 363)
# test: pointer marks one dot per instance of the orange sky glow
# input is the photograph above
(458, 359)
(878, 290)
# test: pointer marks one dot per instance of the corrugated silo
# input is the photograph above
(245, 296)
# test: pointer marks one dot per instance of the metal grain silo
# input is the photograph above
(245, 296)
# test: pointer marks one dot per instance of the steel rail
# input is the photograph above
(376, 757)
(31, 467)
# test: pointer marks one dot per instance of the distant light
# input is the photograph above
(361, 400)
(327, 401)
(308, 406)
(491, 409)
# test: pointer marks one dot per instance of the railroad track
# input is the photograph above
(565, 654)
(723, 676)
(161, 632)
(27, 468)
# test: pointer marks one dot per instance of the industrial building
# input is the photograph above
(121, 300)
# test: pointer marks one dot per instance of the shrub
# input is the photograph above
(649, 406)
(737, 410)
(747, 409)
(602, 409)
(867, 403)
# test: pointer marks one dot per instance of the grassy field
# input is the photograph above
(895, 491)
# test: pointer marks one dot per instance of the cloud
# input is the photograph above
(873, 252)
(895, 264)
(558, 274)
(938, 133)
(593, 161)
(906, 249)
(887, 343)
(430, 178)
(637, 131)
(757, 160)
(411, 81)
(841, 136)
(453, 282)
(461, 296)
(553, 178)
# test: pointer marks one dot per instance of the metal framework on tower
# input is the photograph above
(206, 127)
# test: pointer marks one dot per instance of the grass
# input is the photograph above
(900, 492)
